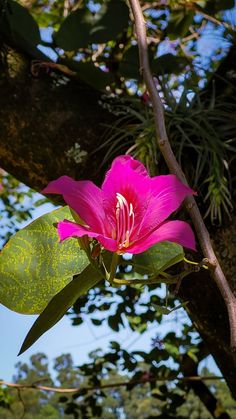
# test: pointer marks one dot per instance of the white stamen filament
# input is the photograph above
(124, 221)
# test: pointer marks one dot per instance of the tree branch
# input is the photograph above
(163, 142)
(110, 385)
(189, 368)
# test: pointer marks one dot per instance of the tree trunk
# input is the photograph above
(50, 126)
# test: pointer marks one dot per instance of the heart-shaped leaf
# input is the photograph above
(34, 265)
(60, 303)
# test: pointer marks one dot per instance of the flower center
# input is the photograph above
(124, 221)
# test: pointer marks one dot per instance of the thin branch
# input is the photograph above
(163, 142)
(66, 9)
(164, 5)
(153, 4)
(211, 18)
(19, 386)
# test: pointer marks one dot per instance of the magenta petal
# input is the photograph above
(68, 229)
(116, 179)
(129, 178)
(84, 197)
(173, 231)
(127, 161)
(168, 193)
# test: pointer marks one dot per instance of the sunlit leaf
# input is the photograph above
(60, 303)
(34, 266)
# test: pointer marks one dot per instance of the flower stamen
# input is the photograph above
(124, 221)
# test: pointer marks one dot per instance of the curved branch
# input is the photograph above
(110, 385)
(163, 142)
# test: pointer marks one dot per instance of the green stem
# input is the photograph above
(201, 264)
(157, 280)
(130, 262)
(113, 268)
(84, 244)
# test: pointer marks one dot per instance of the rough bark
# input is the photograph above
(41, 119)
(209, 315)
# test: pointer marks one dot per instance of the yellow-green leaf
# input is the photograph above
(34, 265)
(60, 303)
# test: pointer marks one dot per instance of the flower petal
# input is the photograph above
(168, 193)
(68, 229)
(84, 197)
(173, 231)
(129, 178)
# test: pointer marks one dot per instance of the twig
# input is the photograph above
(211, 18)
(47, 65)
(66, 9)
(198, 10)
(163, 142)
(110, 385)
(153, 4)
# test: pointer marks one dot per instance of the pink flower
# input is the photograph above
(145, 98)
(128, 213)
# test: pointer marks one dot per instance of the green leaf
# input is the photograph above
(96, 322)
(19, 26)
(168, 64)
(192, 354)
(165, 310)
(179, 23)
(129, 66)
(74, 30)
(60, 303)
(161, 309)
(214, 6)
(165, 64)
(158, 258)
(34, 266)
(111, 19)
(173, 350)
(90, 74)
(81, 27)
(113, 322)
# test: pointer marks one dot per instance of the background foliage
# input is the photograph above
(117, 402)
